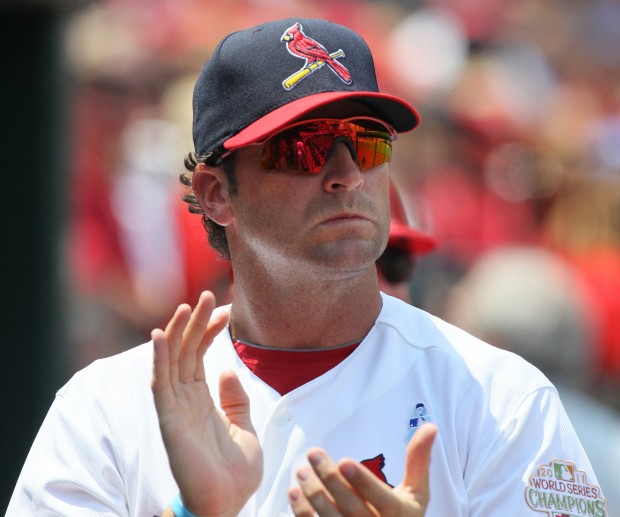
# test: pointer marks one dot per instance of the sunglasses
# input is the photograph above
(396, 264)
(304, 147)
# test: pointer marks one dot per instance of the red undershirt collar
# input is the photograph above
(284, 369)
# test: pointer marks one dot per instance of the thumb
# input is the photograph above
(418, 462)
(234, 401)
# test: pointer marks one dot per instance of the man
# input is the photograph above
(397, 263)
(312, 375)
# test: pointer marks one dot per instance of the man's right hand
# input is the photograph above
(214, 455)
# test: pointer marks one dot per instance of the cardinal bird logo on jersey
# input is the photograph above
(315, 54)
(375, 465)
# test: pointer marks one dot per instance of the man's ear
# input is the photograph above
(211, 189)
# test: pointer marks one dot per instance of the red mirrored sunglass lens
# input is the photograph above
(306, 146)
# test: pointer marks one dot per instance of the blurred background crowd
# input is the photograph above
(515, 171)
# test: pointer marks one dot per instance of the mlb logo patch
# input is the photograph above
(564, 471)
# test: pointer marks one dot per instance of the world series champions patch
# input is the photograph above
(558, 489)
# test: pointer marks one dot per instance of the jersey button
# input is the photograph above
(281, 417)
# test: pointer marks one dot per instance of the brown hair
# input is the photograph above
(216, 233)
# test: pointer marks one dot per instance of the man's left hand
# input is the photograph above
(350, 489)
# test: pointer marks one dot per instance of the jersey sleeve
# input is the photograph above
(71, 469)
(536, 467)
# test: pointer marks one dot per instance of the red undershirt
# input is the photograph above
(285, 370)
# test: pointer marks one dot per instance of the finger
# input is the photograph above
(340, 490)
(214, 327)
(174, 339)
(299, 504)
(417, 463)
(161, 363)
(160, 384)
(234, 401)
(378, 496)
(192, 335)
(315, 493)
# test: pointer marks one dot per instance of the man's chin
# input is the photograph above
(348, 254)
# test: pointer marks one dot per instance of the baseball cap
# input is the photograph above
(402, 234)
(260, 79)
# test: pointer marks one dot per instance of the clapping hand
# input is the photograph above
(347, 488)
(214, 455)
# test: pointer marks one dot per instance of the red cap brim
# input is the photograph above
(394, 110)
(412, 240)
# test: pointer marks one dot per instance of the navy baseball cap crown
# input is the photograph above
(260, 79)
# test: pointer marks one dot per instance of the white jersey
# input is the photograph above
(505, 445)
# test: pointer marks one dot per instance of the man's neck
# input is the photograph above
(303, 314)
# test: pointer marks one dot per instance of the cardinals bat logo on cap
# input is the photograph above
(315, 54)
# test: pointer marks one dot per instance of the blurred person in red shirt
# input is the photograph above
(395, 267)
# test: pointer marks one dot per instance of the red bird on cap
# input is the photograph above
(312, 51)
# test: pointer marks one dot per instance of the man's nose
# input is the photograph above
(341, 171)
